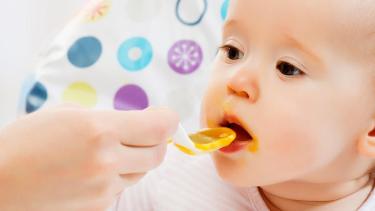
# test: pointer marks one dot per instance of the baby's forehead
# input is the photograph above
(340, 21)
(347, 13)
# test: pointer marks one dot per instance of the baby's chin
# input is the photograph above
(240, 173)
(237, 174)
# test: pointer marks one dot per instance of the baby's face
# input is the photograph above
(299, 77)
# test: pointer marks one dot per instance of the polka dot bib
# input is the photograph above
(131, 54)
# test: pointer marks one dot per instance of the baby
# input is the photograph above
(296, 80)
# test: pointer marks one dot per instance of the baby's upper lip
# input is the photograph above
(230, 118)
(234, 119)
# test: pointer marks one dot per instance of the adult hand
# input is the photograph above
(70, 158)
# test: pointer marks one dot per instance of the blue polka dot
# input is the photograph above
(36, 98)
(224, 9)
(138, 45)
(190, 22)
(85, 52)
(27, 84)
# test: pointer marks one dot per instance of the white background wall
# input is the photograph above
(26, 26)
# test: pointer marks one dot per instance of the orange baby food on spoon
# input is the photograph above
(204, 141)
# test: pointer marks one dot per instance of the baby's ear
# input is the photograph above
(366, 144)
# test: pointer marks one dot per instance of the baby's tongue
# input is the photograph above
(242, 134)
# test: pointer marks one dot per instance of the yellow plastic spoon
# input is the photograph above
(204, 141)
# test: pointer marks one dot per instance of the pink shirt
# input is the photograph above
(191, 184)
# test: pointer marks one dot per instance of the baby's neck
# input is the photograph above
(343, 196)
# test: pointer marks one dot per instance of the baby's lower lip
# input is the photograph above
(235, 146)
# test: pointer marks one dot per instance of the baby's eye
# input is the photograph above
(288, 69)
(232, 52)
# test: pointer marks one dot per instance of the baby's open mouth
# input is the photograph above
(243, 137)
(232, 122)
(242, 134)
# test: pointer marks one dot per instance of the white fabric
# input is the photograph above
(187, 183)
(163, 23)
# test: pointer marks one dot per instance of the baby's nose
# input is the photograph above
(244, 86)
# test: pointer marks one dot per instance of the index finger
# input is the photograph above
(146, 128)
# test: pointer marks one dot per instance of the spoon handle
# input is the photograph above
(182, 141)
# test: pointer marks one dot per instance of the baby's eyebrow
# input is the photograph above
(233, 24)
(299, 45)
(229, 25)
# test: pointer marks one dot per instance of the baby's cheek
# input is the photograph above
(295, 150)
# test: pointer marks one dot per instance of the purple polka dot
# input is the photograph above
(185, 56)
(130, 97)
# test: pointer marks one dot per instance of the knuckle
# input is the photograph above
(101, 134)
(98, 133)
(160, 131)
(162, 123)
(103, 164)
(96, 169)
